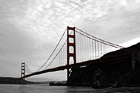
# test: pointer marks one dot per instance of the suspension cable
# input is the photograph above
(99, 40)
(56, 55)
(28, 70)
(111, 44)
(52, 51)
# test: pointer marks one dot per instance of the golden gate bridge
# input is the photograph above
(75, 48)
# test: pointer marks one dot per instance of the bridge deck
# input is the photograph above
(97, 61)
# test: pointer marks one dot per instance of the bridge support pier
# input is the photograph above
(71, 48)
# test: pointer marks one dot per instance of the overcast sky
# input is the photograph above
(28, 27)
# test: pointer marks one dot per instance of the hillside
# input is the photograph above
(11, 80)
(117, 68)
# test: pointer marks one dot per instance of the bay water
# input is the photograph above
(44, 88)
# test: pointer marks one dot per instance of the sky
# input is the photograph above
(30, 29)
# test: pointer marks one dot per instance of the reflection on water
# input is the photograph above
(62, 89)
(44, 89)
(22, 89)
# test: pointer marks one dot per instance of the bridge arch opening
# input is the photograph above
(71, 32)
(71, 60)
(71, 49)
(71, 40)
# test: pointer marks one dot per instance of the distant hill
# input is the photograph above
(11, 80)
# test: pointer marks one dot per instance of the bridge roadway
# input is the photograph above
(102, 60)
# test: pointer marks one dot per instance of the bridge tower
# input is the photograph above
(71, 48)
(22, 70)
(22, 80)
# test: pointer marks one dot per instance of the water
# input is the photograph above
(43, 89)
(40, 88)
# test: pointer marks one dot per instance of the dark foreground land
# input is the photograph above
(114, 69)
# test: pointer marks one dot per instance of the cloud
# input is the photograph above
(119, 25)
(47, 19)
